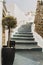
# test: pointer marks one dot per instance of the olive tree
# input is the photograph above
(10, 22)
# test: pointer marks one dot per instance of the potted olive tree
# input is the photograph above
(8, 53)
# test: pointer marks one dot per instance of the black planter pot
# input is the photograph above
(8, 55)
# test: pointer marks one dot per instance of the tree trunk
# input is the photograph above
(9, 37)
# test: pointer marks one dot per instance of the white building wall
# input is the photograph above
(6, 36)
(37, 37)
(1, 7)
(21, 18)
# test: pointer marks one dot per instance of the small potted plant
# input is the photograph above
(8, 53)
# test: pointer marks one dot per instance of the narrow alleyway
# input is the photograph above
(27, 50)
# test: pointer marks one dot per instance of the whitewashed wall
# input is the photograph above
(37, 37)
(6, 36)
(1, 7)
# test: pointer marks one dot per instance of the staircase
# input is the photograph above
(24, 40)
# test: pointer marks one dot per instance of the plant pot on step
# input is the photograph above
(12, 44)
(8, 55)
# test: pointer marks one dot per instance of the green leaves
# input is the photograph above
(9, 21)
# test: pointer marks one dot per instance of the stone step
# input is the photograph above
(25, 28)
(23, 35)
(28, 47)
(22, 38)
(25, 42)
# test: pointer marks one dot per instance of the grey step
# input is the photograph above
(22, 41)
(28, 47)
(25, 42)
(25, 28)
(23, 35)
(22, 38)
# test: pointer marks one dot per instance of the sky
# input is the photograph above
(24, 5)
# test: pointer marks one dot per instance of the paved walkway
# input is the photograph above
(28, 58)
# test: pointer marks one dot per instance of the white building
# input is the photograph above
(3, 11)
(1, 8)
